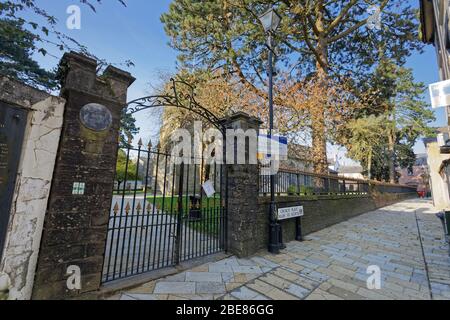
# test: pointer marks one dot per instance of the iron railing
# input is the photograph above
(290, 182)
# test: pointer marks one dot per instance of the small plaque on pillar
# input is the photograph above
(78, 188)
(96, 117)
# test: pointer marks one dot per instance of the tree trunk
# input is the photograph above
(319, 143)
(369, 165)
(391, 157)
(319, 140)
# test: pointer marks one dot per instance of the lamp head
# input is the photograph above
(270, 20)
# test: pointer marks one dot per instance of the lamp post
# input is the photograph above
(270, 21)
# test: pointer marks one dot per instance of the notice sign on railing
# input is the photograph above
(289, 213)
(274, 146)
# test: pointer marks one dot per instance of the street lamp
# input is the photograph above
(270, 21)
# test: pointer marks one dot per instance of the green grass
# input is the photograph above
(127, 193)
(170, 204)
(209, 222)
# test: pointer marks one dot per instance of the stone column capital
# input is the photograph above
(241, 120)
(79, 72)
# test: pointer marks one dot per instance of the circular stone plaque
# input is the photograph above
(96, 117)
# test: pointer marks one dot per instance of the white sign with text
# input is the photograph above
(291, 212)
(208, 187)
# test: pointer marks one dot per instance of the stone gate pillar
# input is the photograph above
(244, 234)
(75, 227)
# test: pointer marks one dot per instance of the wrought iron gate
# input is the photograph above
(160, 214)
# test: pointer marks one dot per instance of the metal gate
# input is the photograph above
(160, 214)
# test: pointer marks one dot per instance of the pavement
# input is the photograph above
(405, 242)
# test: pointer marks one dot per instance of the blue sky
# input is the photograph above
(136, 33)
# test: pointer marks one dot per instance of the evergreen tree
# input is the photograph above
(16, 48)
(128, 128)
(368, 136)
(22, 37)
(125, 170)
(403, 117)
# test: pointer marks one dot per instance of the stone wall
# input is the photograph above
(40, 145)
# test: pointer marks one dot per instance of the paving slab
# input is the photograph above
(203, 277)
(210, 288)
(165, 287)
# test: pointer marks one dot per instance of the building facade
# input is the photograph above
(435, 25)
(435, 31)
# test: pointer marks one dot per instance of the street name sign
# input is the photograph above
(291, 212)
